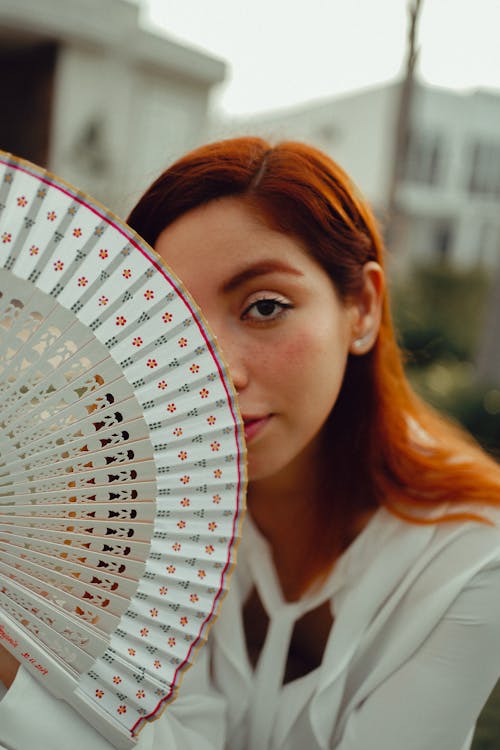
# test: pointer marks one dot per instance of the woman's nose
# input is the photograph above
(234, 360)
(238, 378)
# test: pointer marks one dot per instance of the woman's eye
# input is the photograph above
(266, 309)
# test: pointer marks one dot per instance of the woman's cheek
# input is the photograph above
(287, 363)
(298, 344)
(307, 349)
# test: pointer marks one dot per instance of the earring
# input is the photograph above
(360, 343)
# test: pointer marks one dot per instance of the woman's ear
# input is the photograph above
(367, 309)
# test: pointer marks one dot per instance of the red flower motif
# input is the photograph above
(157, 664)
(178, 431)
(215, 446)
(137, 341)
(152, 363)
(176, 547)
(34, 250)
(140, 694)
(185, 502)
(167, 317)
(194, 598)
(209, 549)
(171, 408)
(82, 281)
(182, 342)
(6, 237)
(185, 479)
(163, 590)
(204, 393)
(126, 273)
(211, 420)
(202, 574)
(182, 455)
(131, 651)
(212, 526)
(103, 253)
(181, 524)
(51, 215)
(153, 612)
(162, 385)
(183, 621)
(149, 294)
(144, 632)
(195, 368)
(122, 709)
(216, 499)
(171, 642)
(21, 201)
(99, 693)
(58, 265)
(103, 300)
(77, 232)
(171, 569)
(117, 679)
(120, 320)
(217, 473)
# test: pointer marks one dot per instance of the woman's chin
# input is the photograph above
(263, 466)
(258, 468)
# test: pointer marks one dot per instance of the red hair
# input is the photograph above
(389, 447)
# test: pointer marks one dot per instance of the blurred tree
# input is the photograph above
(403, 121)
(488, 359)
(439, 312)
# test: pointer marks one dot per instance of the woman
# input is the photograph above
(364, 611)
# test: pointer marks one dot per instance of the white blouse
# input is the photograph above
(413, 653)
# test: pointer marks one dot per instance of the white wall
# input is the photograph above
(358, 131)
(168, 120)
(92, 90)
(461, 120)
(142, 96)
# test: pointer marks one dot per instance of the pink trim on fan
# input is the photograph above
(146, 253)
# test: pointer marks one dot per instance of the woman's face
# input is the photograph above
(283, 331)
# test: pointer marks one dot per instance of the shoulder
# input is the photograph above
(446, 554)
(414, 574)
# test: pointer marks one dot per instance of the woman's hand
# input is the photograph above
(8, 667)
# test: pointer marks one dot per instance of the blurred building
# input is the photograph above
(448, 196)
(101, 101)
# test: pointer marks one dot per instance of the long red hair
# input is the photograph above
(387, 446)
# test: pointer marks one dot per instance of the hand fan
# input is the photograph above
(121, 457)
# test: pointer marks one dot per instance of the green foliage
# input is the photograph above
(449, 385)
(438, 313)
(487, 735)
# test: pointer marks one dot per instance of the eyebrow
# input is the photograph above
(259, 269)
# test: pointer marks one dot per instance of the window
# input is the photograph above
(27, 84)
(442, 240)
(484, 173)
(424, 158)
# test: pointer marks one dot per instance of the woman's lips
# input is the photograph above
(254, 425)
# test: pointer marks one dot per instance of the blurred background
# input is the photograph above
(404, 94)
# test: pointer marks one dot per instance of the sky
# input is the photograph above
(285, 52)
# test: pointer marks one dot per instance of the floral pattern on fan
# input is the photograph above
(122, 457)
